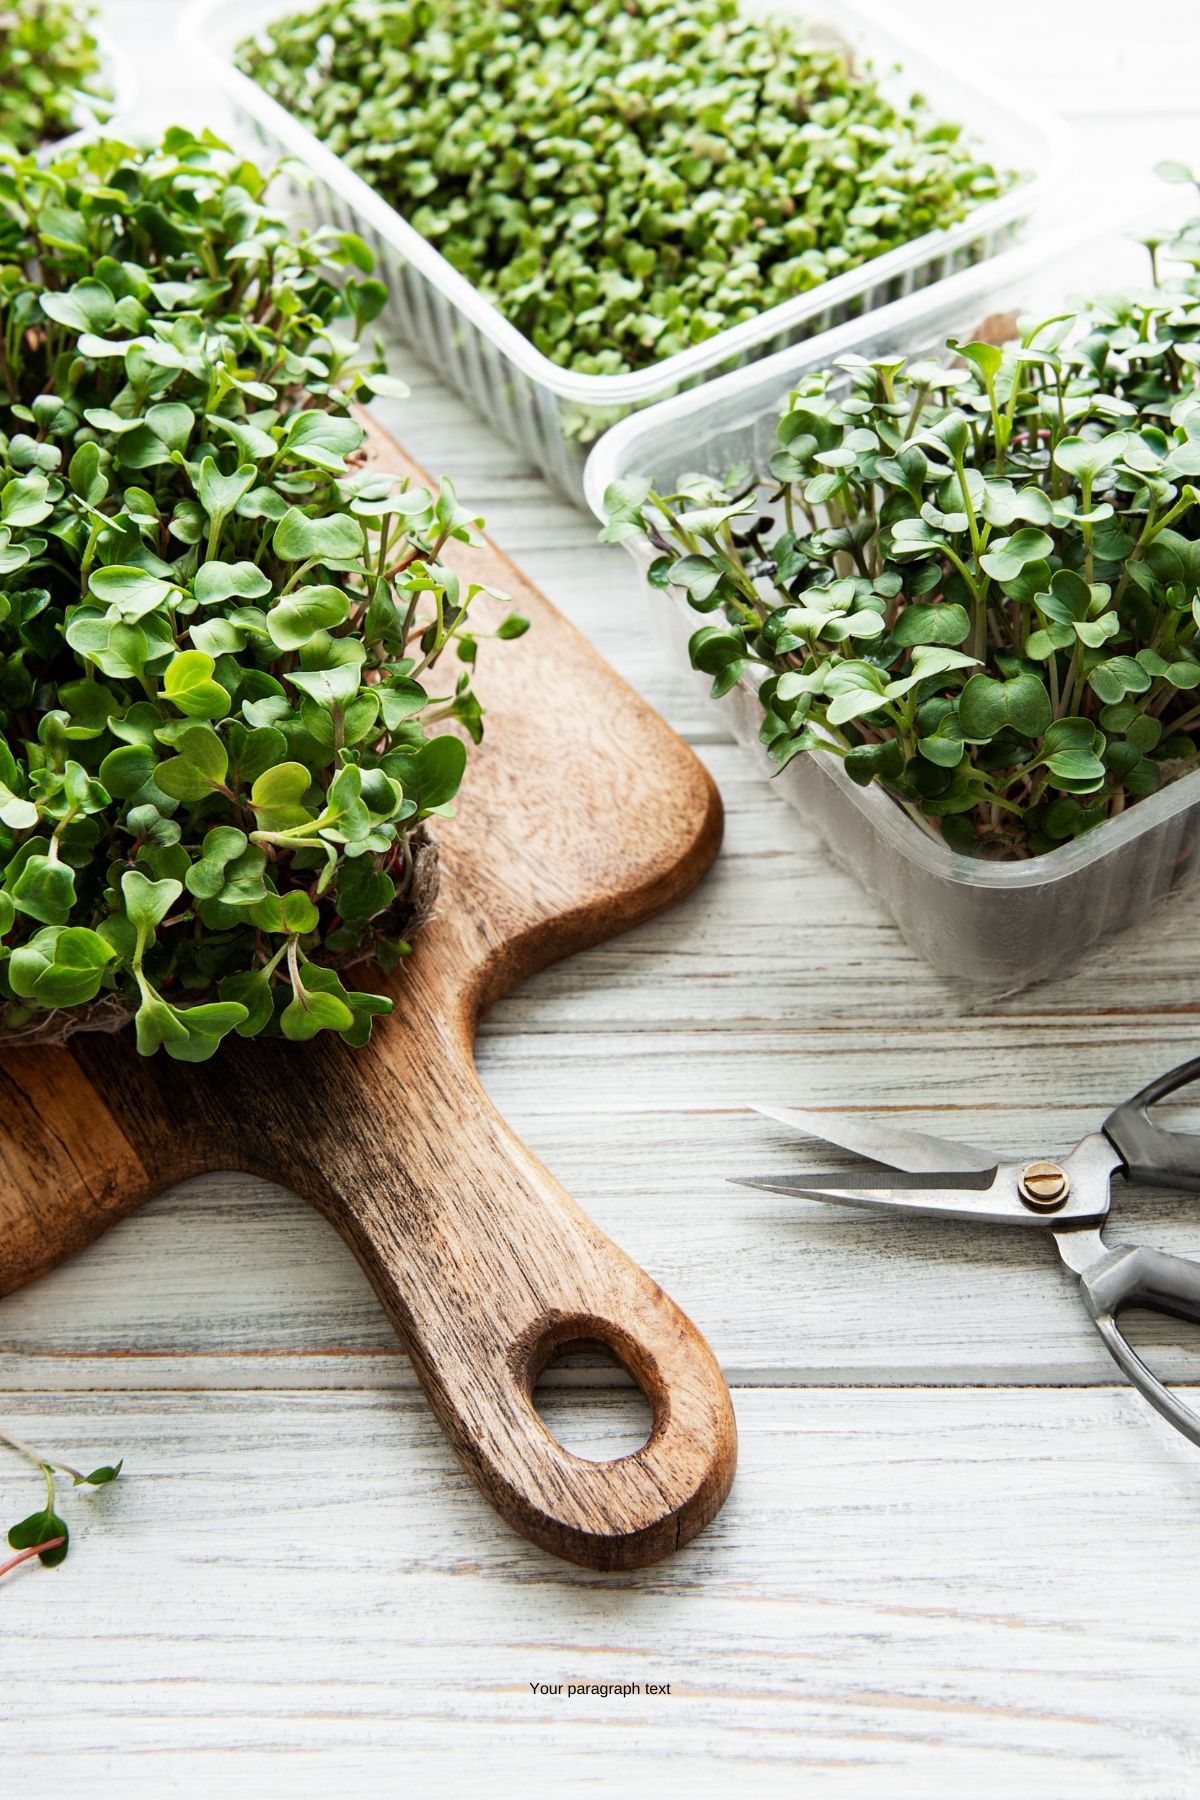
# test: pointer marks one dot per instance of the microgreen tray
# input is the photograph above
(1000, 925)
(555, 413)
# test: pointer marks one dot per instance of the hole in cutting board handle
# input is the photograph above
(582, 1408)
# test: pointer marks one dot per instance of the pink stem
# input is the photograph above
(34, 1550)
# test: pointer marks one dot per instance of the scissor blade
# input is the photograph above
(916, 1152)
(997, 1203)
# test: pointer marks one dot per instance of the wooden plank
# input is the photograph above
(908, 1593)
(228, 1282)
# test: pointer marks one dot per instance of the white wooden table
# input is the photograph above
(957, 1556)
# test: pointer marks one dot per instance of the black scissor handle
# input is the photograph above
(1151, 1154)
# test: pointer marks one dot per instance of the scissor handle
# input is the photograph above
(1151, 1154)
(1161, 1283)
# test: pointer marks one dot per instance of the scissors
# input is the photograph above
(1068, 1197)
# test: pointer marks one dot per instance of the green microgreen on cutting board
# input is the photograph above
(975, 578)
(49, 70)
(224, 711)
(621, 181)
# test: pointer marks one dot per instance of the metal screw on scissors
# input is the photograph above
(1069, 1197)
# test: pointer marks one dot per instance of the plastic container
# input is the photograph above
(552, 412)
(999, 925)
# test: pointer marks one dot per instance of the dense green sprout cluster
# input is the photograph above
(621, 181)
(219, 630)
(974, 578)
(49, 70)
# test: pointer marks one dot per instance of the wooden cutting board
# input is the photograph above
(582, 814)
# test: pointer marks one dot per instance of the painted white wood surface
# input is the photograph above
(956, 1555)
(320, 1608)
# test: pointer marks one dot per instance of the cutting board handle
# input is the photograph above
(488, 1270)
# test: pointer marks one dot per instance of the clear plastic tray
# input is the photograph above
(1000, 925)
(552, 412)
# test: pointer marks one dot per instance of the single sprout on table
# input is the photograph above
(44, 1534)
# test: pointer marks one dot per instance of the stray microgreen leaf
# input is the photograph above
(44, 1534)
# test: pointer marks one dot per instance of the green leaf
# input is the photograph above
(23, 501)
(190, 1034)
(1110, 681)
(86, 306)
(943, 746)
(127, 769)
(203, 1029)
(1087, 459)
(854, 703)
(188, 685)
(147, 902)
(1072, 750)
(330, 668)
(928, 660)
(942, 622)
(1008, 556)
(987, 706)
(300, 916)
(323, 439)
(216, 581)
(1078, 770)
(200, 765)
(252, 991)
(44, 890)
(874, 762)
(987, 358)
(312, 1011)
(42, 1528)
(230, 869)
(285, 785)
(1174, 171)
(278, 797)
(514, 626)
(86, 474)
(100, 1477)
(18, 813)
(60, 966)
(172, 423)
(298, 538)
(251, 753)
(295, 619)
(128, 592)
(437, 773)
(219, 493)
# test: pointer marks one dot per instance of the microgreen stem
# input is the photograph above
(23, 1556)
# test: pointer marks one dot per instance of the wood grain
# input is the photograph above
(902, 1601)
(914, 1590)
(582, 814)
